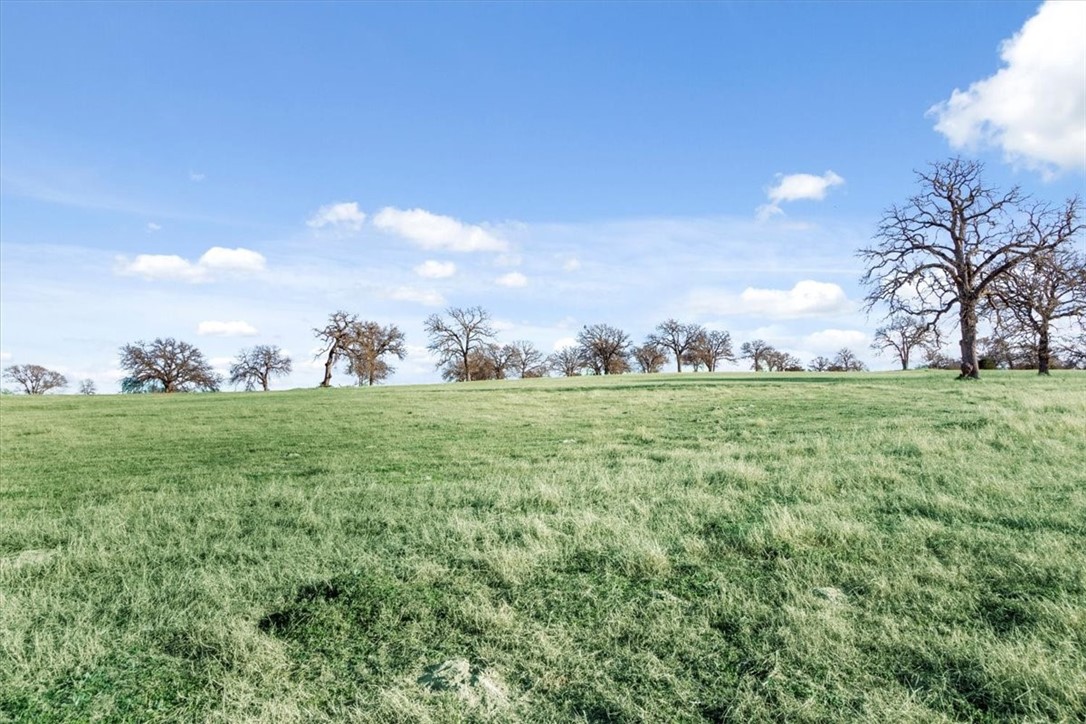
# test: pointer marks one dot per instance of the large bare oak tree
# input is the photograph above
(35, 379)
(456, 336)
(677, 337)
(167, 365)
(944, 248)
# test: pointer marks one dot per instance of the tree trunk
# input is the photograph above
(1043, 351)
(328, 364)
(678, 361)
(968, 320)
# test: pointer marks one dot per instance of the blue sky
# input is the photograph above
(229, 174)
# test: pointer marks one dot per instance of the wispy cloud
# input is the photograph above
(226, 329)
(512, 280)
(433, 231)
(343, 216)
(152, 227)
(431, 269)
(425, 297)
(1034, 107)
(197, 177)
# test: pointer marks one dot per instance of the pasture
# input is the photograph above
(804, 547)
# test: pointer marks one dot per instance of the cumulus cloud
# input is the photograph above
(215, 262)
(572, 264)
(806, 298)
(433, 231)
(797, 187)
(225, 329)
(431, 269)
(153, 227)
(1034, 107)
(343, 216)
(426, 297)
(563, 342)
(835, 339)
(512, 280)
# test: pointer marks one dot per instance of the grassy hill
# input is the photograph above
(882, 547)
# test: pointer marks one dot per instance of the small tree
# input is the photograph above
(847, 361)
(605, 349)
(677, 337)
(1029, 299)
(367, 347)
(903, 335)
(756, 351)
(455, 338)
(820, 364)
(258, 365)
(336, 337)
(86, 387)
(710, 348)
(566, 362)
(167, 365)
(35, 379)
(649, 357)
(525, 360)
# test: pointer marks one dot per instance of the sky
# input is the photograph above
(230, 174)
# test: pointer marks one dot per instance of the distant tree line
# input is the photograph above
(959, 250)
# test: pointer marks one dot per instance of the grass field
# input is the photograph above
(880, 547)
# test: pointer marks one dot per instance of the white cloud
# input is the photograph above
(161, 266)
(426, 297)
(1034, 107)
(512, 280)
(564, 342)
(5, 356)
(436, 269)
(834, 339)
(153, 227)
(572, 264)
(806, 298)
(343, 216)
(238, 260)
(225, 329)
(216, 261)
(797, 187)
(433, 231)
(194, 176)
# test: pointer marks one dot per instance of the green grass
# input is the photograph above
(883, 547)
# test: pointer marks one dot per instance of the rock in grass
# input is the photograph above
(471, 684)
(831, 594)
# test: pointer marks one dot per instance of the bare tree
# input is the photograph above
(35, 379)
(488, 361)
(336, 337)
(525, 360)
(949, 243)
(903, 335)
(258, 365)
(1030, 298)
(167, 365)
(605, 349)
(847, 361)
(367, 347)
(566, 362)
(756, 351)
(778, 361)
(86, 387)
(677, 337)
(650, 358)
(820, 364)
(710, 348)
(455, 338)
